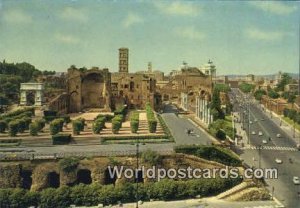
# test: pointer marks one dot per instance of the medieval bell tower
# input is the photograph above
(123, 60)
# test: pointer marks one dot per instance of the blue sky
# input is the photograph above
(239, 36)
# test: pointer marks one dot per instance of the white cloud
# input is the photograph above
(132, 19)
(178, 8)
(275, 7)
(190, 33)
(17, 16)
(72, 14)
(258, 34)
(63, 38)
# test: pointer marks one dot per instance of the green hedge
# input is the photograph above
(3, 126)
(134, 121)
(107, 117)
(121, 111)
(13, 128)
(17, 113)
(61, 139)
(34, 129)
(41, 123)
(99, 124)
(76, 125)
(56, 126)
(213, 153)
(94, 194)
(152, 122)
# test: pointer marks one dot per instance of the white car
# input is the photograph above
(278, 161)
(278, 135)
(260, 133)
(296, 180)
(253, 133)
(264, 141)
(251, 122)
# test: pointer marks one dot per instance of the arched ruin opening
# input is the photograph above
(139, 177)
(53, 179)
(108, 179)
(84, 176)
(26, 179)
(30, 97)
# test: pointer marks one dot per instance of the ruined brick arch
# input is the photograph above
(92, 86)
(73, 97)
(84, 176)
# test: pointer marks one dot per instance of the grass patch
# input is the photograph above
(291, 122)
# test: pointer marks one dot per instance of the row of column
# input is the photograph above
(203, 111)
(184, 101)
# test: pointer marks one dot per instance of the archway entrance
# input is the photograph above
(84, 176)
(26, 179)
(53, 179)
(31, 93)
(108, 179)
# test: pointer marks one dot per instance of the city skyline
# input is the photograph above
(239, 37)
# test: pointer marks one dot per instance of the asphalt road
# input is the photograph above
(178, 126)
(284, 188)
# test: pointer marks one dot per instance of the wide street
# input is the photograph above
(263, 155)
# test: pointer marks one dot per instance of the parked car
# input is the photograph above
(296, 180)
(253, 133)
(260, 133)
(278, 161)
(278, 135)
(264, 141)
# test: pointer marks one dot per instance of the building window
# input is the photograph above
(126, 86)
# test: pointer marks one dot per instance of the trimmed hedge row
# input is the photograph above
(99, 124)
(121, 111)
(134, 121)
(292, 114)
(94, 194)
(78, 125)
(56, 126)
(58, 139)
(152, 122)
(117, 123)
(214, 153)
(17, 112)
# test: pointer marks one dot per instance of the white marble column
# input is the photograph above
(23, 98)
(38, 98)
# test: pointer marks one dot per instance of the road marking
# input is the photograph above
(271, 148)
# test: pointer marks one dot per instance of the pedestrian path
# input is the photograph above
(271, 148)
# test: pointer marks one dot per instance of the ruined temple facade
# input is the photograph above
(89, 89)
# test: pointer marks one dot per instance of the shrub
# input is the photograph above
(55, 126)
(22, 125)
(13, 128)
(286, 112)
(151, 157)
(116, 124)
(50, 113)
(3, 126)
(121, 111)
(82, 123)
(68, 164)
(134, 122)
(61, 139)
(61, 123)
(34, 129)
(214, 153)
(98, 125)
(134, 125)
(77, 126)
(41, 124)
(221, 134)
(152, 122)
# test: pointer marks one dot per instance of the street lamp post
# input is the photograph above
(259, 156)
(249, 121)
(137, 167)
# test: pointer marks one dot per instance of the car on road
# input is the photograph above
(260, 133)
(255, 120)
(251, 122)
(253, 133)
(264, 141)
(278, 135)
(278, 161)
(296, 180)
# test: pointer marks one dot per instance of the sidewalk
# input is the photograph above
(286, 127)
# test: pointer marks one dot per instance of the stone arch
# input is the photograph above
(107, 177)
(92, 86)
(84, 176)
(139, 176)
(53, 179)
(26, 176)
